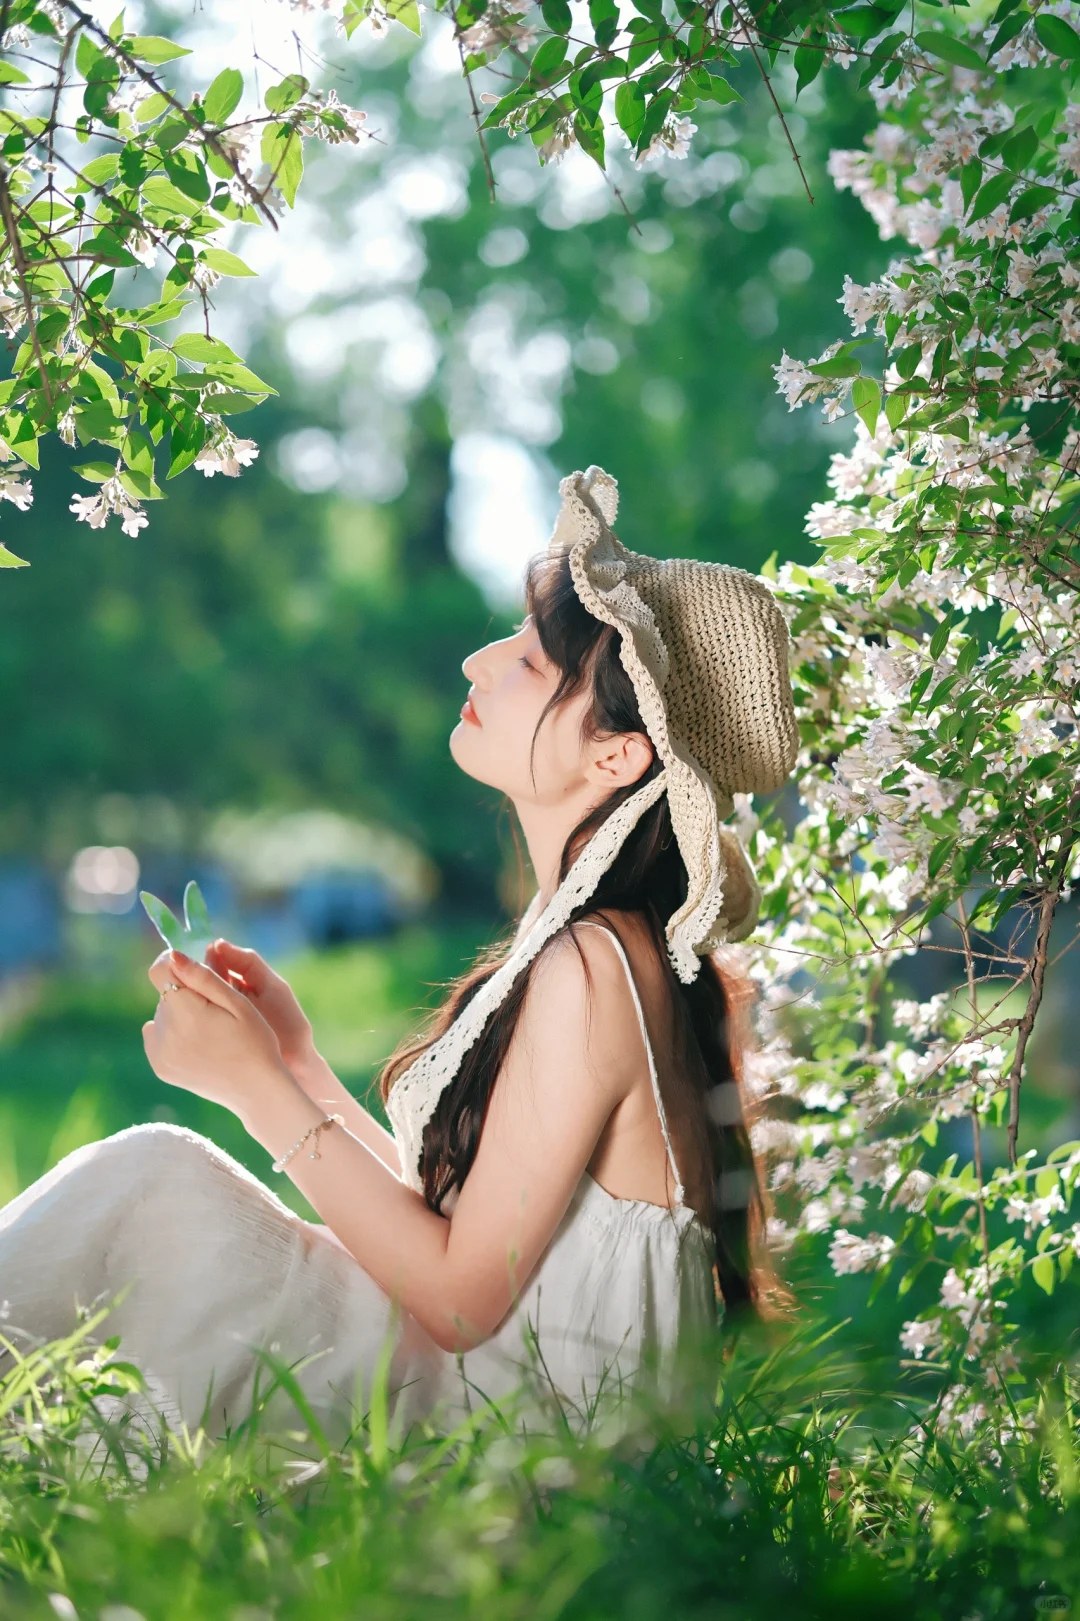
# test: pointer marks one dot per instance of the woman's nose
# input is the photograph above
(472, 668)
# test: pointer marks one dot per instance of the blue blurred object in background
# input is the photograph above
(30, 917)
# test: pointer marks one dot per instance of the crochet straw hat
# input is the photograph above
(706, 648)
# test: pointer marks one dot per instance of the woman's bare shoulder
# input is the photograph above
(581, 980)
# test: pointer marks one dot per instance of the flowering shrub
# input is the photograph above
(161, 179)
(937, 673)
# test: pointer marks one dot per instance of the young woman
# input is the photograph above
(569, 1191)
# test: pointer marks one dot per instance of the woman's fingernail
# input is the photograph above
(179, 956)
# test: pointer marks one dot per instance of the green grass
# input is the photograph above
(799, 1495)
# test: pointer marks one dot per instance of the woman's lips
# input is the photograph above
(469, 713)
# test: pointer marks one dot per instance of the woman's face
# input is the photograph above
(511, 681)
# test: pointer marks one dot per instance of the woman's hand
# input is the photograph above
(271, 995)
(207, 1038)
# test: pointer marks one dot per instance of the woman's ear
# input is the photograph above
(615, 762)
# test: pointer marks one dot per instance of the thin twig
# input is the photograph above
(772, 97)
(11, 231)
(1047, 908)
(489, 173)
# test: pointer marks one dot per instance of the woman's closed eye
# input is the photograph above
(523, 660)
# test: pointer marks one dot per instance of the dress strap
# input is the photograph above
(680, 1191)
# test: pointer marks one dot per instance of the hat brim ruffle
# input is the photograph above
(723, 897)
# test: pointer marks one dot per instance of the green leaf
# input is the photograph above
(226, 263)
(549, 65)
(940, 639)
(1046, 1182)
(950, 49)
(809, 61)
(895, 407)
(838, 366)
(405, 12)
(96, 472)
(10, 74)
(161, 193)
(866, 398)
(164, 920)
(970, 180)
(9, 560)
(100, 169)
(969, 654)
(556, 15)
(223, 96)
(282, 150)
(140, 485)
(1031, 201)
(188, 174)
(240, 377)
(1020, 148)
(196, 346)
(187, 439)
(720, 91)
(152, 48)
(194, 935)
(1042, 1269)
(590, 134)
(152, 108)
(604, 16)
(138, 452)
(991, 195)
(939, 855)
(1058, 36)
(196, 916)
(280, 97)
(630, 110)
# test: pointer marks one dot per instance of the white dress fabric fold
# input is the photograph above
(218, 1280)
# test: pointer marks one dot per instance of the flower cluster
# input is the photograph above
(938, 682)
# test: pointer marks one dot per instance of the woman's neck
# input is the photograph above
(546, 829)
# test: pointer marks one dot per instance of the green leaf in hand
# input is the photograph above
(194, 935)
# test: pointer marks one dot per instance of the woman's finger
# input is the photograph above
(195, 976)
(161, 971)
(229, 959)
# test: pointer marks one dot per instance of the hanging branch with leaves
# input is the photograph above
(115, 192)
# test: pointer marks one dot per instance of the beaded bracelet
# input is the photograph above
(312, 1131)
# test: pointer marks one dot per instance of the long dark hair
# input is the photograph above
(648, 878)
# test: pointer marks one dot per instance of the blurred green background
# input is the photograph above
(258, 689)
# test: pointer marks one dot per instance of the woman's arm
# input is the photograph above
(318, 1081)
(275, 999)
(458, 1277)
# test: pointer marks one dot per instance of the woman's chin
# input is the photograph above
(467, 753)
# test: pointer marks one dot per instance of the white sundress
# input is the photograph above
(218, 1270)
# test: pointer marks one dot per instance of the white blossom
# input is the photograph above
(850, 1253)
(224, 453)
(111, 498)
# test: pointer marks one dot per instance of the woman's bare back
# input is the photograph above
(630, 1160)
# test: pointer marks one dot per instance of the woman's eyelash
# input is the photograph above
(524, 660)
